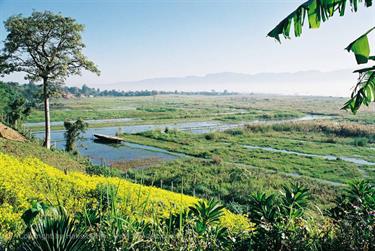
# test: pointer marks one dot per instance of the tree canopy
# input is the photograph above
(47, 47)
(318, 11)
(44, 45)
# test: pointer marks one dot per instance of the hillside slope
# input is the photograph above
(30, 179)
(59, 159)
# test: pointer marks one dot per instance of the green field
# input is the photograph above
(226, 108)
(231, 164)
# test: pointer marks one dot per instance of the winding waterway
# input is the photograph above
(100, 153)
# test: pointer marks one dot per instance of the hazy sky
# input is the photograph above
(131, 40)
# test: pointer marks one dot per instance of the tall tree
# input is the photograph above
(318, 11)
(48, 48)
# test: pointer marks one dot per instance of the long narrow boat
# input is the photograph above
(109, 139)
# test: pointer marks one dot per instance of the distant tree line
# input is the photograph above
(87, 92)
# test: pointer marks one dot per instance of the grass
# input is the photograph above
(216, 164)
(232, 108)
(231, 183)
(228, 149)
(56, 158)
(240, 170)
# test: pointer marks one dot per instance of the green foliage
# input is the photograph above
(72, 133)
(319, 11)
(280, 219)
(55, 231)
(354, 217)
(210, 136)
(52, 43)
(17, 111)
(364, 91)
(36, 209)
(316, 11)
(14, 107)
(329, 128)
(207, 213)
(102, 171)
(105, 227)
(47, 47)
(360, 141)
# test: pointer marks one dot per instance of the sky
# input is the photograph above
(135, 40)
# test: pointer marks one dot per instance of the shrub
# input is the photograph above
(102, 171)
(210, 136)
(360, 141)
(56, 231)
(331, 140)
(216, 160)
(354, 218)
(280, 219)
(234, 131)
(72, 133)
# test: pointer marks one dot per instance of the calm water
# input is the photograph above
(327, 157)
(100, 153)
(90, 121)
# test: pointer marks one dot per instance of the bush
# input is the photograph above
(360, 141)
(331, 140)
(216, 160)
(102, 171)
(280, 219)
(210, 136)
(354, 218)
(234, 132)
(55, 231)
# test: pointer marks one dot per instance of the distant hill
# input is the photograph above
(333, 83)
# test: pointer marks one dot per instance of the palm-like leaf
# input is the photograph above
(263, 208)
(206, 214)
(364, 92)
(318, 11)
(55, 233)
(361, 193)
(294, 200)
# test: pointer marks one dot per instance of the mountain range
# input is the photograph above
(332, 83)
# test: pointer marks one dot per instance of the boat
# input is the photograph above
(109, 139)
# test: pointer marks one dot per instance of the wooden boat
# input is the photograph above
(109, 139)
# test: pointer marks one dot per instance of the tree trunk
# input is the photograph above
(47, 137)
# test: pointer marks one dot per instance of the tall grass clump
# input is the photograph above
(342, 129)
(360, 141)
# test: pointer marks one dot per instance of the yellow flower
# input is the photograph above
(24, 180)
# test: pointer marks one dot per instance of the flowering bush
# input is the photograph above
(22, 181)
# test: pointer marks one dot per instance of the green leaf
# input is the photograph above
(361, 49)
(364, 92)
(317, 11)
(364, 69)
(313, 16)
